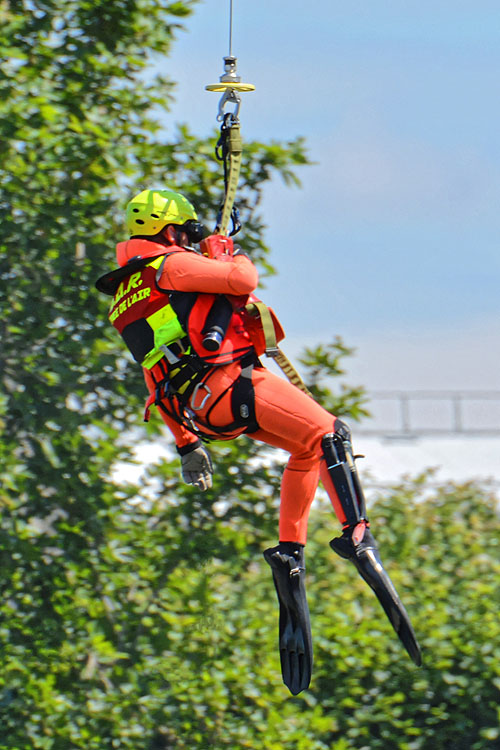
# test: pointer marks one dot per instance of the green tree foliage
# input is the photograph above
(169, 633)
(323, 364)
(144, 618)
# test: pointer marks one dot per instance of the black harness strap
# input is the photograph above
(243, 399)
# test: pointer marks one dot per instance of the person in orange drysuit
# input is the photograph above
(164, 293)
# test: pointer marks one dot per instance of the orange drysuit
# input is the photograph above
(287, 418)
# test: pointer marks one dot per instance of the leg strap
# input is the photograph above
(242, 404)
(243, 400)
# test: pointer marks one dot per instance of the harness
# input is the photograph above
(163, 330)
(182, 392)
(182, 376)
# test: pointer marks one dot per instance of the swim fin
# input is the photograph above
(366, 558)
(295, 641)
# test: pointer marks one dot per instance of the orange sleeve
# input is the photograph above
(189, 272)
(182, 436)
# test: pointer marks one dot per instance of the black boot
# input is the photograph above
(365, 557)
(295, 642)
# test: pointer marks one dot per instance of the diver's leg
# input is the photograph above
(356, 543)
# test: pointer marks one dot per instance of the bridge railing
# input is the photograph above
(411, 414)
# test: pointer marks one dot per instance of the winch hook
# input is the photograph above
(231, 86)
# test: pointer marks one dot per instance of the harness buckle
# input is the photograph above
(170, 356)
(272, 351)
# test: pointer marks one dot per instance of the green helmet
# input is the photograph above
(150, 211)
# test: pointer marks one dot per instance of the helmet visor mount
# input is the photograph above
(194, 230)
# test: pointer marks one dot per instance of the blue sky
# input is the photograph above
(392, 242)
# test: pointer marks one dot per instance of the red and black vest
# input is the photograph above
(150, 318)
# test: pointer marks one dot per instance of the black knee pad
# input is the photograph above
(337, 452)
(342, 430)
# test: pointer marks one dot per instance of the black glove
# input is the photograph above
(196, 465)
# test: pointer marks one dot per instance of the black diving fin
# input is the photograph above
(295, 641)
(366, 558)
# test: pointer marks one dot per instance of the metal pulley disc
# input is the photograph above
(224, 85)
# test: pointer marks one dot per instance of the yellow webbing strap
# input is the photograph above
(272, 348)
(290, 371)
(259, 308)
(235, 148)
